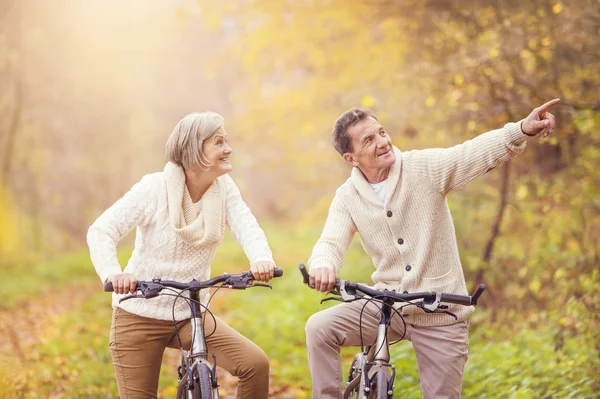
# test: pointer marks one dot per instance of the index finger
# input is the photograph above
(543, 108)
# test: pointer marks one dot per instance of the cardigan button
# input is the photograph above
(389, 214)
(400, 241)
(408, 267)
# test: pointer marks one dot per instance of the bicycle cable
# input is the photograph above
(189, 302)
(376, 299)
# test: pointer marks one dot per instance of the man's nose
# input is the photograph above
(381, 141)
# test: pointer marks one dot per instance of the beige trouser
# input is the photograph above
(441, 351)
(137, 344)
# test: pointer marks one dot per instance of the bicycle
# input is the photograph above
(197, 379)
(370, 376)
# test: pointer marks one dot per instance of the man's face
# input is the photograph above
(372, 149)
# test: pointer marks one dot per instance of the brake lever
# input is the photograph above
(259, 285)
(332, 298)
(428, 308)
(447, 312)
(237, 282)
(146, 290)
(131, 296)
(433, 306)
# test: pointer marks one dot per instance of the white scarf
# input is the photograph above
(206, 228)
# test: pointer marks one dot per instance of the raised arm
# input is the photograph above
(330, 251)
(452, 168)
(134, 209)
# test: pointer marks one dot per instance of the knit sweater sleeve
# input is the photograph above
(243, 224)
(134, 209)
(330, 250)
(453, 168)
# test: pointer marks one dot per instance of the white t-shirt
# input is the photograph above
(380, 189)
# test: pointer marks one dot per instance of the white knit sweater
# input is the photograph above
(411, 236)
(162, 250)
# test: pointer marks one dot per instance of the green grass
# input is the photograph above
(73, 359)
(33, 279)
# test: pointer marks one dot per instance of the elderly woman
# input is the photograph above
(180, 216)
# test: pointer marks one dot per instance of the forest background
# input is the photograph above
(90, 91)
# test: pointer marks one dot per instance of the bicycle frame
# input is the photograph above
(198, 353)
(374, 361)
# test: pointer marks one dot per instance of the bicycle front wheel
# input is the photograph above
(380, 388)
(202, 384)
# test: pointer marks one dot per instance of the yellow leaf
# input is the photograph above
(535, 285)
(572, 244)
(472, 106)
(494, 52)
(459, 79)
(301, 394)
(533, 43)
(522, 192)
(559, 273)
(557, 8)
(546, 41)
(430, 102)
(368, 101)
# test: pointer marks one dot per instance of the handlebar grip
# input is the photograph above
(304, 273)
(477, 294)
(458, 299)
(278, 272)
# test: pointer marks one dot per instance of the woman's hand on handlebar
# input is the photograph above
(322, 278)
(123, 283)
(263, 271)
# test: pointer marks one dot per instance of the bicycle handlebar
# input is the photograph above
(194, 284)
(350, 288)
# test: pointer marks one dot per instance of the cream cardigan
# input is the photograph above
(171, 243)
(411, 236)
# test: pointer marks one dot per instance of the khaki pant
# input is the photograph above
(137, 345)
(441, 351)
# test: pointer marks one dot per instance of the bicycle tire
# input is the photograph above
(380, 388)
(202, 384)
(352, 390)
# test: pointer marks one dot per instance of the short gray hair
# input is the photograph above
(341, 139)
(184, 146)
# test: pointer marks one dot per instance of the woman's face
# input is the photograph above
(217, 152)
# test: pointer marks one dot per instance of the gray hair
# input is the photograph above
(341, 139)
(184, 146)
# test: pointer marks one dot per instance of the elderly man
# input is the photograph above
(396, 201)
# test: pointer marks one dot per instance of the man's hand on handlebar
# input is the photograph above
(123, 283)
(322, 278)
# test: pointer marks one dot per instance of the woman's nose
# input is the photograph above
(227, 149)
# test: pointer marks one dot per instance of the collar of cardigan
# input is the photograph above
(362, 185)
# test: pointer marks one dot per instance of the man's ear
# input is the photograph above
(350, 159)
